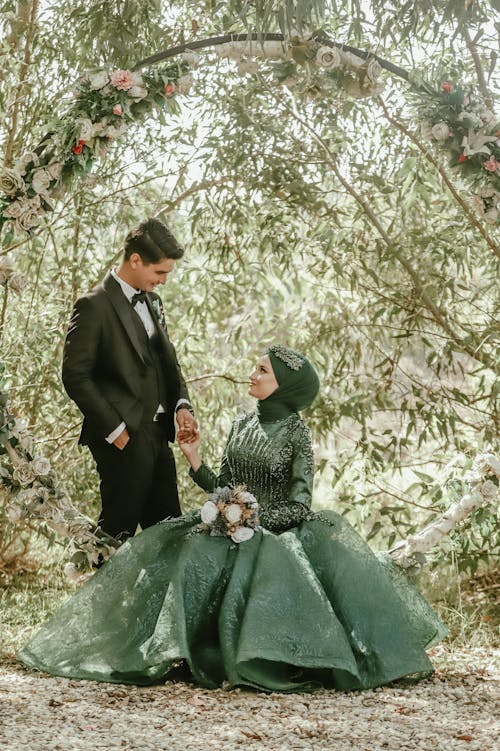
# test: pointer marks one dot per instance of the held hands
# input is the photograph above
(188, 437)
(188, 427)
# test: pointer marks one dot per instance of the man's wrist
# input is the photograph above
(184, 405)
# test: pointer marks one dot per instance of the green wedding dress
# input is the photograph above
(304, 603)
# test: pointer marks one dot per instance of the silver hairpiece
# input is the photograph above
(288, 356)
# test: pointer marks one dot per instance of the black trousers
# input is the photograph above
(139, 483)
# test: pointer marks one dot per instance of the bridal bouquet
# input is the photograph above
(231, 512)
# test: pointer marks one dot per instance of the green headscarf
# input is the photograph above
(298, 384)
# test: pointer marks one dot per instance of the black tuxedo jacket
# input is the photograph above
(103, 362)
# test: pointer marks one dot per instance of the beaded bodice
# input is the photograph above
(260, 456)
(275, 462)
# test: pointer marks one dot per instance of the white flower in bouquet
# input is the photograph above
(40, 466)
(233, 513)
(11, 182)
(209, 512)
(40, 180)
(98, 80)
(23, 474)
(329, 58)
(488, 490)
(247, 498)
(17, 282)
(71, 572)
(440, 131)
(242, 534)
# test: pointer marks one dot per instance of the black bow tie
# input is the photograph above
(138, 297)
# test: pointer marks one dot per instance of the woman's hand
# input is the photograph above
(189, 444)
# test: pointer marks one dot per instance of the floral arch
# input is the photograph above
(455, 120)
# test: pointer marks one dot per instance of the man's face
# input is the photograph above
(147, 276)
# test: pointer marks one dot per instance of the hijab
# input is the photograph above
(298, 384)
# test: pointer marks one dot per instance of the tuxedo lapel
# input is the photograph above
(165, 341)
(166, 344)
(124, 310)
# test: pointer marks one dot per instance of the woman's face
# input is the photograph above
(262, 379)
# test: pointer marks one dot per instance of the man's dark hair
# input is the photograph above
(153, 241)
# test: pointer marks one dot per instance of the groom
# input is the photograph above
(121, 369)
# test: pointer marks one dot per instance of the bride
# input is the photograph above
(288, 600)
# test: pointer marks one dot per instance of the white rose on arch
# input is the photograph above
(491, 216)
(23, 474)
(483, 463)
(86, 128)
(488, 490)
(40, 466)
(373, 71)
(137, 92)
(54, 169)
(98, 80)
(440, 131)
(28, 158)
(329, 58)
(11, 182)
(40, 180)
(29, 215)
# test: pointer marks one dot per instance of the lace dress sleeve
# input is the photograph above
(297, 509)
(206, 477)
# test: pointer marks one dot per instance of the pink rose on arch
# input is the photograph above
(491, 165)
(117, 109)
(122, 79)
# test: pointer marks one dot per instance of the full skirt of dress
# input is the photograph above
(310, 607)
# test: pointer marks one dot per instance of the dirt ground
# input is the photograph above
(458, 708)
